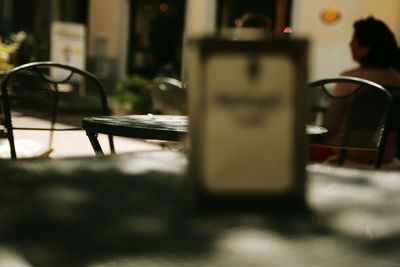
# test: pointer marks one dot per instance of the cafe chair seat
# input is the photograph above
(25, 149)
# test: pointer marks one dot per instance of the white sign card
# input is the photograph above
(247, 118)
(68, 45)
(249, 123)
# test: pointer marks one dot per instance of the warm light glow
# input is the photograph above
(330, 15)
(164, 7)
(287, 30)
(238, 22)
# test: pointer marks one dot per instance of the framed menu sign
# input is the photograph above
(247, 119)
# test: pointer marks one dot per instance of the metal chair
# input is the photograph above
(393, 124)
(41, 98)
(168, 96)
(355, 112)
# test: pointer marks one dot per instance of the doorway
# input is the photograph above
(155, 37)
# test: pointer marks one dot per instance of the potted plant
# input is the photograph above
(9, 49)
(132, 96)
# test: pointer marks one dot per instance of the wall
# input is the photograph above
(200, 17)
(386, 10)
(105, 22)
(329, 49)
(108, 21)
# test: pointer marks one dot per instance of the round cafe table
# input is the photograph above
(157, 127)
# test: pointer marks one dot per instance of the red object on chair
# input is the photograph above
(320, 154)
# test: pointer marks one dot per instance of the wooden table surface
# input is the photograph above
(135, 210)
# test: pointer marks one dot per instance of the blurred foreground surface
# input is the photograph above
(135, 210)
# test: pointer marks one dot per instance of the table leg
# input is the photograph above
(111, 142)
(95, 143)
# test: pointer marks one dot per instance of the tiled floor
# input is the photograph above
(76, 143)
(69, 144)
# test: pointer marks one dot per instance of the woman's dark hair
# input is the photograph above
(382, 44)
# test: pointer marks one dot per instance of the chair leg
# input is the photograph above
(377, 164)
(379, 158)
(342, 156)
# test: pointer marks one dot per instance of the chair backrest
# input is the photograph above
(393, 124)
(355, 113)
(168, 96)
(46, 97)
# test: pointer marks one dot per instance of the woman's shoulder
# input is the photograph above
(384, 76)
(353, 72)
(365, 72)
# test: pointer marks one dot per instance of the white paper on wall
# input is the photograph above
(68, 45)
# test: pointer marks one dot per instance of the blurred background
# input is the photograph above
(121, 38)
